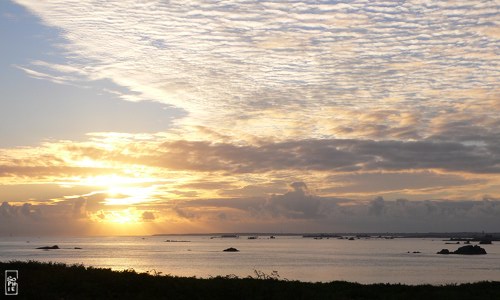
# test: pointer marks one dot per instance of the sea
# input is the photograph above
(364, 260)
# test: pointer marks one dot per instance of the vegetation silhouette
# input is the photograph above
(61, 281)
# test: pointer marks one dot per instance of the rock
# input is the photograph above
(49, 247)
(77, 248)
(470, 250)
(444, 251)
(176, 241)
(231, 250)
(465, 250)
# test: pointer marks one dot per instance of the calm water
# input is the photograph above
(295, 258)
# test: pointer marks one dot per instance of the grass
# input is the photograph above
(39, 280)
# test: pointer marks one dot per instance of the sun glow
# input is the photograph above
(129, 221)
(119, 190)
(123, 195)
(124, 216)
(114, 180)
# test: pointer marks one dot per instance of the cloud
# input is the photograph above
(41, 171)
(297, 209)
(296, 203)
(325, 155)
(256, 190)
(377, 206)
(33, 219)
(79, 208)
(39, 192)
(164, 167)
(236, 64)
(207, 185)
(56, 73)
(374, 182)
(24, 211)
(426, 215)
(148, 216)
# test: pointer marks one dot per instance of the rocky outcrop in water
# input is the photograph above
(231, 250)
(49, 247)
(465, 250)
(470, 250)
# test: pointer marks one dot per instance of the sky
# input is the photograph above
(144, 117)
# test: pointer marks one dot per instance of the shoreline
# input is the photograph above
(59, 280)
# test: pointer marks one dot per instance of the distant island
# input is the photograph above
(60, 281)
(451, 236)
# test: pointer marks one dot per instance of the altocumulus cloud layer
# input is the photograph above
(261, 58)
(305, 115)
